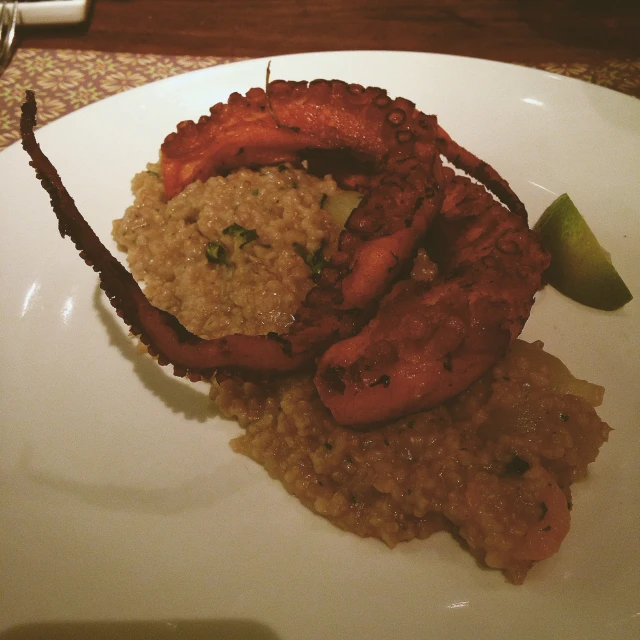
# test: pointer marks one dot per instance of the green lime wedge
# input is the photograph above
(580, 268)
(341, 204)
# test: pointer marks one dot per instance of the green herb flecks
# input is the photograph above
(216, 253)
(315, 261)
(238, 231)
(155, 174)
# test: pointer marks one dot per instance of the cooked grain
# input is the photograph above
(479, 466)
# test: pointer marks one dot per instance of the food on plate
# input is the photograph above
(453, 329)
(493, 466)
(256, 286)
(580, 267)
(370, 366)
(341, 205)
(366, 364)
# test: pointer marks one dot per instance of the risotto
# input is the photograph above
(257, 284)
(494, 466)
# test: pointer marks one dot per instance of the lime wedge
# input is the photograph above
(580, 268)
(341, 205)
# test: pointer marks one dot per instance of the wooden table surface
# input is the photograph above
(527, 31)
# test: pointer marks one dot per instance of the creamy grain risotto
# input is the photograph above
(233, 255)
(257, 285)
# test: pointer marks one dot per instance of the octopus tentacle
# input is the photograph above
(429, 342)
(268, 128)
(283, 124)
(422, 342)
(463, 159)
(160, 331)
(403, 199)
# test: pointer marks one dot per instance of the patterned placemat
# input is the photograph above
(66, 80)
(619, 75)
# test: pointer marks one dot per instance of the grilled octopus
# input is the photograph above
(383, 345)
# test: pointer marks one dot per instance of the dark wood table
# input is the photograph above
(526, 31)
(126, 43)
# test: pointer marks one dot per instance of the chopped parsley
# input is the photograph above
(246, 235)
(155, 174)
(315, 261)
(216, 253)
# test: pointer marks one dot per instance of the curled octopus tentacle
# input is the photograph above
(431, 340)
(484, 173)
(535, 502)
(404, 196)
(291, 120)
(427, 342)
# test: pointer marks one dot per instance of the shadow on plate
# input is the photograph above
(177, 396)
(200, 492)
(225, 629)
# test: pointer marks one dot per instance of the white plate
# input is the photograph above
(120, 499)
(52, 12)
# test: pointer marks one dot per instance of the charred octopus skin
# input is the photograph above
(381, 349)
(430, 341)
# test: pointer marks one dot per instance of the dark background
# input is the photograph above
(527, 31)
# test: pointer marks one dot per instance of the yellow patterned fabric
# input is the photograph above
(66, 80)
(620, 75)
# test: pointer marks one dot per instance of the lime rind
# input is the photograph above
(580, 267)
